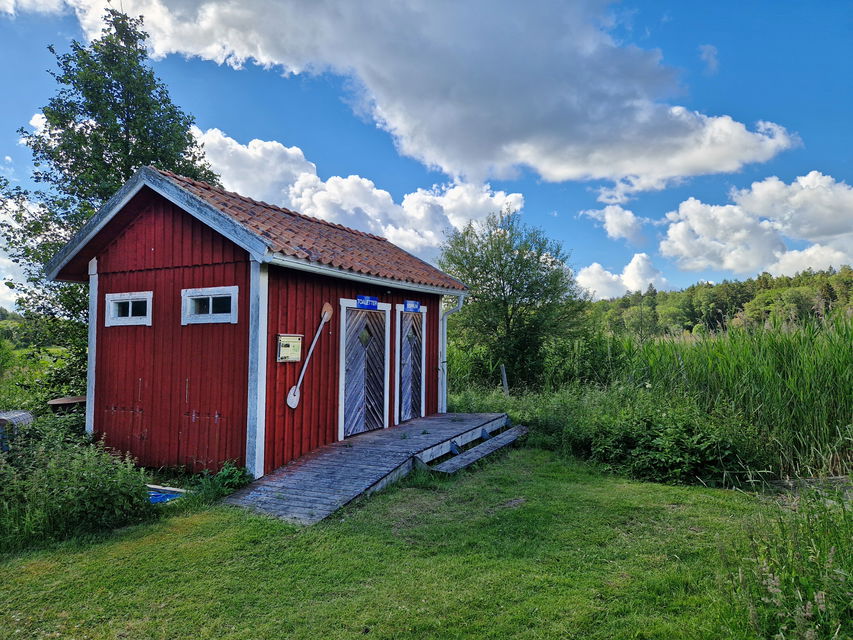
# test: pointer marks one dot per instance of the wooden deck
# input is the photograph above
(316, 485)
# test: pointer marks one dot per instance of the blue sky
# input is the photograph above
(408, 118)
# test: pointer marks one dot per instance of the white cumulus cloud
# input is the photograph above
(261, 169)
(814, 257)
(813, 207)
(476, 89)
(270, 171)
(618, 222)
(754, 232)
(39, 6)
(637, 275)
(705, 236)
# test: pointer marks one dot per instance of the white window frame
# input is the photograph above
(381, 307)
(112, 320)
(209, 318)
(400, 310)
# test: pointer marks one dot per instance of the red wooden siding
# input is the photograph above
(295, 302)
(172, 394)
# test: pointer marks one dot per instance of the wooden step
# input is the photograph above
(469, 457)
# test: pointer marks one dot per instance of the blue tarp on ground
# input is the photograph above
(156, 497)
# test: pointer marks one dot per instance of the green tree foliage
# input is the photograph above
(706, 307)
(521, 293)
(109, 116)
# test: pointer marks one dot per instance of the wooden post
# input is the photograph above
(503, 380)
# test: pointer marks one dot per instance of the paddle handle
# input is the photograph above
(310, 351)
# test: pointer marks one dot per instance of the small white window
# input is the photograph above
(213, 304)
(128, 308)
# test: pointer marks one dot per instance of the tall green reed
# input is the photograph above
(793, 383)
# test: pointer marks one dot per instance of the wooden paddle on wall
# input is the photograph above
(294, 394)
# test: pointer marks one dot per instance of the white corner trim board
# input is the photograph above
(113, 303)
(442, 353)
(384, 307)
(257, 382)
(189, 315)
(398, 312)
(93, 341)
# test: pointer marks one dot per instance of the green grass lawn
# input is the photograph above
(528, 546)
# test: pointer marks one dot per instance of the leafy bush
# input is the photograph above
(33, 378)
(585, 356)
(646, 433)
(54, 484)
(546, 414)
(7, 357)
(208, 487)
(662, 437)
(793, 576)
(521, 292)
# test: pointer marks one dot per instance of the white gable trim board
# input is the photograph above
(162, 185)
(399, 311)
(384, 307)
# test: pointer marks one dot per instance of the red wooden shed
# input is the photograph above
(206, 307)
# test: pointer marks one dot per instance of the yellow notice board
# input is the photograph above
(289, 347)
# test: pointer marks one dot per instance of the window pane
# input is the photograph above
(122, 308)
(139, 308)
(200, 306)
(222, 304)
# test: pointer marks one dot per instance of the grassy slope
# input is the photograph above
(529, 546)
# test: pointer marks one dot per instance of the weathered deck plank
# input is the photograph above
(321, 482)
(472, 455)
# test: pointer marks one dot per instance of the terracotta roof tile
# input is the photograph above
(313, 240)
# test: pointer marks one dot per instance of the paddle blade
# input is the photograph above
(293, 397)
(328, 312)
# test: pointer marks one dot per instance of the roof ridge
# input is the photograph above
(267, 205)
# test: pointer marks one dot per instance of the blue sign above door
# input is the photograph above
(411, 305)
(367, 302)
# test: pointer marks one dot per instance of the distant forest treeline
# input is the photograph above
(762, 300)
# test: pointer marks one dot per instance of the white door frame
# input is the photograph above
(398, 348)
(384, 307)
